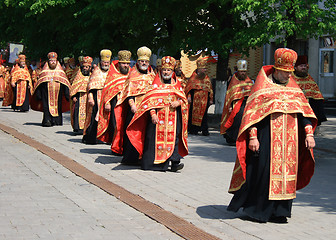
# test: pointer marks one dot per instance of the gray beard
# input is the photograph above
(166, 78)
(104, 68)
(143, 68)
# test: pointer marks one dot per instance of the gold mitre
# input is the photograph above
(242, 65)
(124, 56)
(144, 53)
(66, 60)
(105, 55)
(168, 62)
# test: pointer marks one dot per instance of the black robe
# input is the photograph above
(130, 154)
(253, 195)
(147, 162)
(193, 129)
(318, 108)
(231, 133)
(25, 106)
(75, 118)
(42, 94)
(90, 136)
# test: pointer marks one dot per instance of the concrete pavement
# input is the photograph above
(198, 193)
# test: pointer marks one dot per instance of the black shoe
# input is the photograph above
(280, 219)
(205, 133)
(47, 124)
(193, 133)
(176, 167)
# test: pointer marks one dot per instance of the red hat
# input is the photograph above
(52, 56)
(302, 59)
(87, 61)
(168, 62)
(285, 59)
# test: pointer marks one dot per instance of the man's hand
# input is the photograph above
(155, 119)
(134, 108)
(74, 99)
(211, 102)
(230, 109)
(13, 85)
(175, 104)
(108, 107)
(189, 99)
(310, 142)
(254, 144)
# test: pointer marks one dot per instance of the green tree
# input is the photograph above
(73, 27)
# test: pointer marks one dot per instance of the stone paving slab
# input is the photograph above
(41, 200)
(199, 192)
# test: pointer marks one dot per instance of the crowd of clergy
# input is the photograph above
(146, 114)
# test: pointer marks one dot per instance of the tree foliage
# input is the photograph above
(73, 27)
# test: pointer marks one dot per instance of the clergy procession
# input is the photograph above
(145, 116)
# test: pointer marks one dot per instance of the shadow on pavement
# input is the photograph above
(216, 212)
(107, 159)
(97, 151)
(125, 167)
(70, 133)
(75, 140)
(33, 124)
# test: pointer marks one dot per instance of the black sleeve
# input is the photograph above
(303, 120)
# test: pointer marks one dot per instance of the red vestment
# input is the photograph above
(113, 86)
(136, 85)
(309, 87)
(235, 94)
(96, 82)
(202, 88)
(54, 78)
(79, 85)
(291, 163)
(160, 97)
(2, 81)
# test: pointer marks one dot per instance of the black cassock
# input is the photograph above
(42, 94)
(25, 106)
(253, 195)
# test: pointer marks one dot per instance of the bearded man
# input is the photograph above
(107, 123)
(274, 145)
(136, 85)
(235, 100)
(78, 95)
(309, 88)
(51, 93)
(95, 88)
(200, 97)
(159, 129)
(21, 86)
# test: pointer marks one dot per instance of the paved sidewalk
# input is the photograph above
(198, 193)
